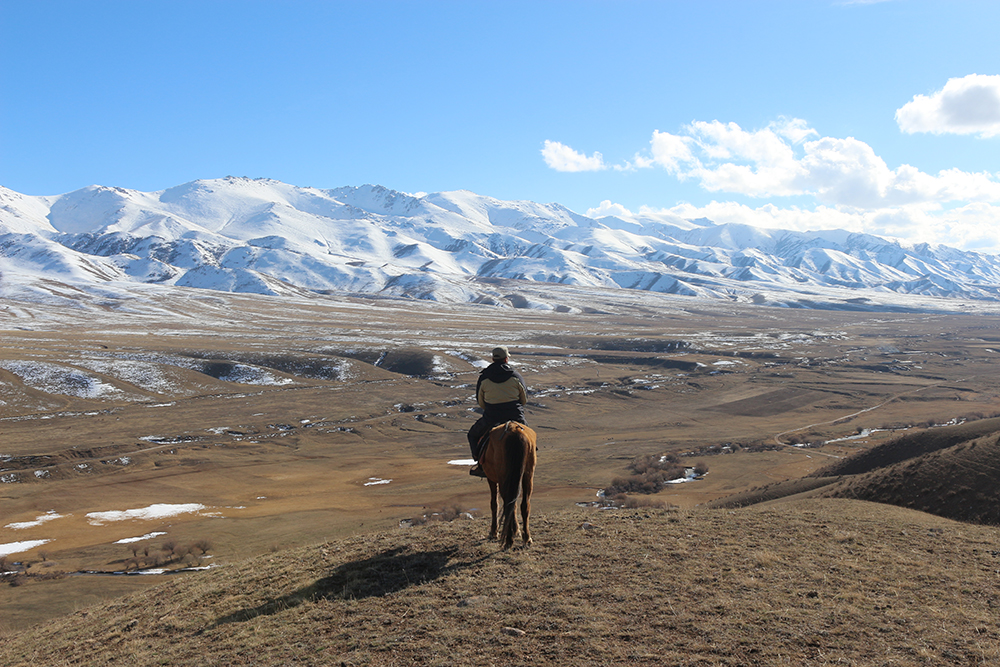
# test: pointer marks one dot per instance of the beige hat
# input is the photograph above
(500, 353)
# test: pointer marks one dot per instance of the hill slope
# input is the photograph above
(909, 446)
(961, 482)
(264, 236)
(948, 471)
(816, 583)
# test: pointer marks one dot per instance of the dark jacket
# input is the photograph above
(501, 393)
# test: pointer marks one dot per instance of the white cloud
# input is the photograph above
(563, 158)
(970, 227)
(966, 105)
(852, 186)
(607, 208)
(668, 151)
(788, 158)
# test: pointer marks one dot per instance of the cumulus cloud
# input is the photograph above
(966, 105)
(788, 158)
(851, 186)
(971, 227)
(607, 208)
(563, 158)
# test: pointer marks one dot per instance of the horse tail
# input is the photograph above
(514, 451)
(513, 441)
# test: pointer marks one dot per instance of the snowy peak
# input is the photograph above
(261, 235)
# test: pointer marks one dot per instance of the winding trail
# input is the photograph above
(777, 436)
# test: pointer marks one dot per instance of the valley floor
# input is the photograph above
(285, 422)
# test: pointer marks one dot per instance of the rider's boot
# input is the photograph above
(478, 471)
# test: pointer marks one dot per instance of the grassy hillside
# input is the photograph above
(951, 472)
(775, 491)
(910, 446)
(961, 482)
(809, 583)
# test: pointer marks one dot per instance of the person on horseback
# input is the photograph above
(502, 395)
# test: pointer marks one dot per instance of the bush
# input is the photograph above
(652, 471)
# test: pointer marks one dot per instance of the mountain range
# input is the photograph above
(268, 237)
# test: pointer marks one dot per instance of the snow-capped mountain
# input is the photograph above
(268, 237)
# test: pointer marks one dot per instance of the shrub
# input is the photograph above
(652, 471)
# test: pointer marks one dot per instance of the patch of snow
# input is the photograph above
(147, 536)
(51, 515)
(155, 511)
(462, 462)
(18, 547)
(864, 433)
(58, 379)
(373, 481)
(689, 476)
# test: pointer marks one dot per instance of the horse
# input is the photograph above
(509, 464)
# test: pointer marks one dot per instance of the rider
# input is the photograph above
(502, 395)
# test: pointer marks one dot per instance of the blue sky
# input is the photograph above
(881, 117)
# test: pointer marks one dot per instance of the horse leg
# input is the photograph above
(509, 523)
(494, 489)
(526, 484)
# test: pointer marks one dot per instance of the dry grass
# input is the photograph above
(819, 583)
(927, 471)
(773, 491)
(960, 482)
(910, 446)
(382, 389)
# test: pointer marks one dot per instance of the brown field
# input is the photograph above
(285, 410)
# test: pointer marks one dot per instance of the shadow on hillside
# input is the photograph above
(385, 573)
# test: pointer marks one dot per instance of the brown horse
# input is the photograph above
(509, 464)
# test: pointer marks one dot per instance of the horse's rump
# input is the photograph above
(509, 463)
(515, 450)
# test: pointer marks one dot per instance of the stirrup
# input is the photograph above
(477, 471)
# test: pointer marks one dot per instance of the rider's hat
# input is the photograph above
(500, 353)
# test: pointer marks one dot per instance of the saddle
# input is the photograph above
(485, 439)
